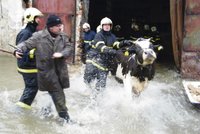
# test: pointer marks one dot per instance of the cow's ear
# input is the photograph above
(132, 49)
(137, 49)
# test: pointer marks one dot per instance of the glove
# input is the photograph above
(128, 42)
(125, 43)
(131, 50)
(110, 51)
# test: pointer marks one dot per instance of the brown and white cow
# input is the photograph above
(136, 69)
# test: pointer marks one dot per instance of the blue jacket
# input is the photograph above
(98, 57)
(88, 38)
(27, 64)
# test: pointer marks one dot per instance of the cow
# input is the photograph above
(137, 68)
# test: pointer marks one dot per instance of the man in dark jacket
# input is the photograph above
(52, 49)
(27, 64)
(101, 57)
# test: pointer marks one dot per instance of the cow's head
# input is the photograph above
(144, 50)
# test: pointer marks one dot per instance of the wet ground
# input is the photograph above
(162, 108)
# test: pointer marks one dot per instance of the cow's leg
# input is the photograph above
(119, 76)
(138, 86)
(127, 81)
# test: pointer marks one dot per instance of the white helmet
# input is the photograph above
(135, 26)
(86, 25)
(106, 20)
(146, 27)
(98, 29)
(153, 28)
(30, 14)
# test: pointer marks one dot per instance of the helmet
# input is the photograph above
(98, 29)
(153, 29)
(30, 14)
(117, 28)
(146, 27)
(106, 20)
(86, 25)
(135, 26)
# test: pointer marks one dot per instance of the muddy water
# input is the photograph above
(162, 108)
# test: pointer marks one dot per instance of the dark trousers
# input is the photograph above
(91, 73)
(84, 54)
(31, 88)
(58, 98)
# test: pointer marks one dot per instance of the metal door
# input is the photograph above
(65, 9)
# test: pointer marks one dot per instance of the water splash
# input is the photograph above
(162, 108)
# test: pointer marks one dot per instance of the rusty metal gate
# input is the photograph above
(65, 9)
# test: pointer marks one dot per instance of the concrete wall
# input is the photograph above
(11, 12)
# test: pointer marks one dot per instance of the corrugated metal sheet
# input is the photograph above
(65, 9)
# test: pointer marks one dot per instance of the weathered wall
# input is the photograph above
(190, 64)
(11, 12)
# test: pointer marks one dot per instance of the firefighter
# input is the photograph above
(146, 31)
(156, 40)
(118, 33)
(87, 40)
(100, 58)
(135, 32)
(27, 64)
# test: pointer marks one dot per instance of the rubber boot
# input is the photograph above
(65, 116)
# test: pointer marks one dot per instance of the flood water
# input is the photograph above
(162, 108)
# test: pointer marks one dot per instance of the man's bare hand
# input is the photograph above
(57, 55)
(18, 54)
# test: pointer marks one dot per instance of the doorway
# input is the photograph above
(154, 13)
